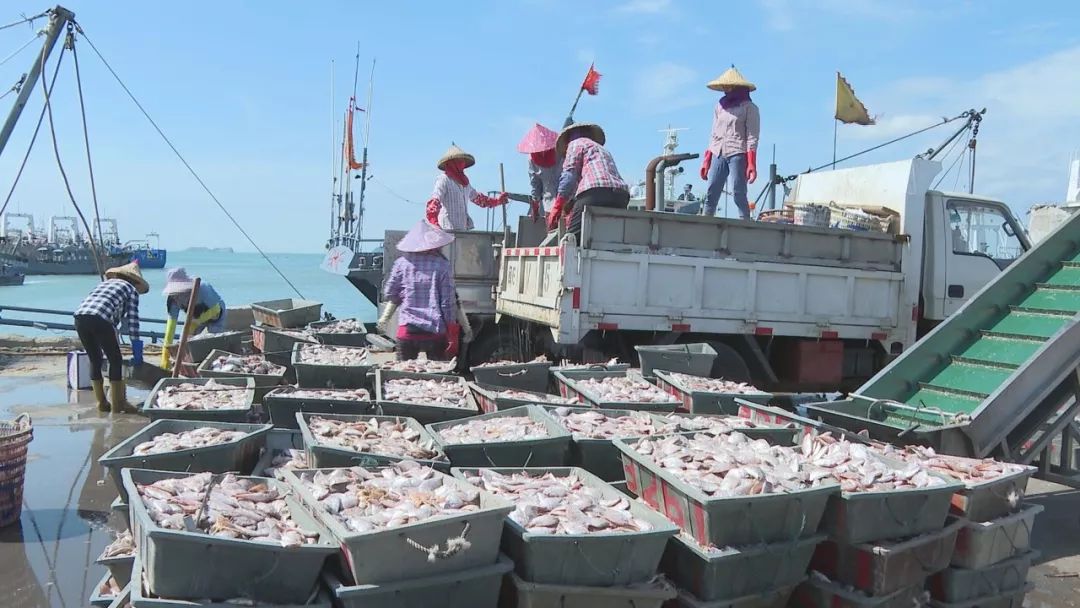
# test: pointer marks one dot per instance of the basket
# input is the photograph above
(778, 216)
(317, 375)
(693, 359)
(424, 413)
(817, 593)
(476, 587)
(773, 598)
(569, 387)
(287, 312)
(810, 214)
(963, 585)
(979, 545)
(550, 451)
(239, 414)
(264, 383)
(15, 437)
(198, 347)
(489, 399)
(356, 338)
(1008, 599)
(520, 593)
(282, 406)
(706, 402)
(854, 219)
(597, 456)
(532, 376)
(326, 456)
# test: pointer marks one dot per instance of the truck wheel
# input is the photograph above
(494, 344)
(729, 364)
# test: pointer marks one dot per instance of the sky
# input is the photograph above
(243, 90)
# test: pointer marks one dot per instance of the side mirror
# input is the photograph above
(1007, 227)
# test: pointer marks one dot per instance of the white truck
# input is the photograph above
(788, 307)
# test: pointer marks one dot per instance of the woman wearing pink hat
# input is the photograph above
(544, 167)
(209, 313)
(421, 290)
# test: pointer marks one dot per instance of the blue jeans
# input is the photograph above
(718, 174)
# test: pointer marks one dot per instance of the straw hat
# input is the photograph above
(456, 153)
(424, 237)
(177, 281)
(591, 130)
(730, 78)
(538, 139)
(131, 274)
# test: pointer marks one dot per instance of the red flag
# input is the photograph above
(591, 84)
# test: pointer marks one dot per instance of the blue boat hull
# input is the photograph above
(149, 258)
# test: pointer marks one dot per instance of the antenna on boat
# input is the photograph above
(364, 157)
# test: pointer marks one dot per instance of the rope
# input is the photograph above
(187, 165)
(86, 134)
(453, 546)
(393, 193)
(20, 49)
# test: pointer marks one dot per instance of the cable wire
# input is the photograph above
(20, 49)
(86, 138)
(26, 20)
(183, 160)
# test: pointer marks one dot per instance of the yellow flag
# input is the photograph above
(848, 107)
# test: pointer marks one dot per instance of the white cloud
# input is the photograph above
(783, 15)
(662, 87)
(891, 126)
(643, 7)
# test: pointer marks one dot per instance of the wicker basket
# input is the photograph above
(15, 436)
(810, 214)
(855, 219)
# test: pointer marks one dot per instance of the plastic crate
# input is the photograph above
(315, 375)
(569, 387)
(97, 598)
(883, 568)
(597, 559)
(706, 402)
(200, 345)
(532, 376)
(1009, 599)
(238, 456)
(597, 456)
(815, 593)
(550, 451)
(277, 442)
(264, 383)
(283, 408)
(980, 544)
(326, 456)
(238, 414)
(387, 555)
(287, 312)
(693, 359)
(776, 435)
(773, 598)
(734, 572)
(423, 413)
(472, 588)
(994, 498)
(489, 400)
(519, 593)
(352, 338)
(119, 508)
(181, 564)
(963, 585)
(120, 568)
(767, 414)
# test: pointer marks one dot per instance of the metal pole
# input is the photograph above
(834, 125)
(506, 225)
(184, 335)
(772, 181)
(58, 18)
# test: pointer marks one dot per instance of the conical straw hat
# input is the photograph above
(538, 139)
(424, 237)
(130, 273)
(455, 153)
(730, 78)
(590, 130)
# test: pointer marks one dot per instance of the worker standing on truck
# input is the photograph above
(544, 167)
(209, 313)
(732, 143)
(421, 290)
(113, 303)
(448, 206)
(589, 176)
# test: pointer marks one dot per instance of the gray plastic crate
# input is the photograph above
(722, 522)
(97, 599)
(815, 593)
(597, 456)
(734, 572)
(994, 498)
(489, 400)
(423, 413)
(119, 508)
(774, 598)
(238, 414)
(1009, 599)
(314, 375)
(706, 402)
(532, 376)
(550, 451)
(282, 407)
(389, 555)
(123, 600)
(120, 568)
(199, 347)
(693, 359)
(326, 456)
(264, 383)
(286, 312)
(883, 568)
(962, 584)
(472, 588)
(980, 544)
(767, 414)
(597, 559)
(776, 435)
(277, 442)
(337, 338)
(519, 593)
(570, 388)
(277, 344)
(237, 455)
(192, 565)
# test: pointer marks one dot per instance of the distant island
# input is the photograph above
(209, 250)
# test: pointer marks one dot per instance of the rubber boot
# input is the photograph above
(118, 398)
(99, 395)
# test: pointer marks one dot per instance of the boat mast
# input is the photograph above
(364, 160)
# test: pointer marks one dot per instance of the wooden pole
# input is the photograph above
(189, 326)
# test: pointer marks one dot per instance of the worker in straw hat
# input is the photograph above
(732, 143)
(113, 303)
(544, 167)
(589, 176)
(209, 312)
(421, 290)
(448, 206)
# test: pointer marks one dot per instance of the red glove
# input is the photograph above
(706, 163)
(556, 211)
(751, 166)
(453, 339)
(502, 198)
(432, 211)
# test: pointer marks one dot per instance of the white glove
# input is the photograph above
(384, 319)
(466, 329)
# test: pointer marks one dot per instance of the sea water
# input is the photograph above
(240, 278)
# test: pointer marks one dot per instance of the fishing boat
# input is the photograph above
(12, 270)
(142, 253)
(62, 250)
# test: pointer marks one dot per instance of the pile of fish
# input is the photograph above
(711, 424)
(384, 438)
(343, 326)
(210, 396)
(512, 393)
(596, 425)
(566, 365)
(109, 588)
(323, 354)
(186, 440)
(366, 500)
(426, 391)
(967, 470)
(301, 335)
(712, 385)
(337, 394)
(623, 389)
(547, 504)
(289, 459)
(730, 465)
(501, 362)
(122, 546)
(500, 428)
(858, 468)
(420, 366)
(226, 506)
(250, 364)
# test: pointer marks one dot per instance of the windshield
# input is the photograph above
(980, 229)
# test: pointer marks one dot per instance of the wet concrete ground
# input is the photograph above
(48, 558)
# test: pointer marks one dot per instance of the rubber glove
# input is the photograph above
(384, 319)
(210, 314)
(556, 211)
(503, 197)
(170, 329)
(706, 163)
(751, 166)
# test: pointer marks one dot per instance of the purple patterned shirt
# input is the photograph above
(588, 165)
(422, 285)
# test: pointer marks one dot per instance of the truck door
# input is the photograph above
(982, 238)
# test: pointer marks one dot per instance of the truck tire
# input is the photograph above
(493, 344)
(729, 364)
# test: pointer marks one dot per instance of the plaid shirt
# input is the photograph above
(588, 165)
(422, 285)
(116, 301)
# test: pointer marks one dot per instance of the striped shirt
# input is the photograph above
(116, 301)
(588, 165)
(735, 130)
(422, 285)
(448, 206)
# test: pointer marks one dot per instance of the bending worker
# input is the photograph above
(732, 143)
(589, 176)
(448, 206)
(209, 313)
(114, 302)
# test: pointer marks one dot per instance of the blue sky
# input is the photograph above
(243, 89)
